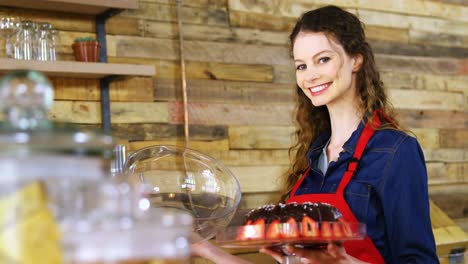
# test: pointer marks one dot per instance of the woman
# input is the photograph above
(350, 150)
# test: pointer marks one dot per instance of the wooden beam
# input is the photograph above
(443, 66)
(208, 51)
(215, 145)
(254, 200)
(261, 137)
(118, 25)
(404, 21)
(418, 8)
(278, 157)
(384, 33)
(438, 39)
(432, 118)
(92, 7)
(289, 9)
(232, 114)
(454, 138)
(427, 100)
(191, 15)
(218, 91)
(455, 2)
(258, 178)
(446, 173)
(157, 29)
(170, 69)
(417, 49)
(121, 112)
(261, 21)
(142, 132)
(428, 138)
(422, 81)
(194, 3)
(446, 155)
(134, 89)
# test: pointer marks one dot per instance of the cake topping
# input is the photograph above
(316, 211)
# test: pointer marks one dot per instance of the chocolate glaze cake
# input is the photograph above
(294, 221)
(319, 212)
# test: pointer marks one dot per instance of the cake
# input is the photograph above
(293, 220)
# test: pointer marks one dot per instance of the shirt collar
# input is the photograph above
(350, 144)
(317, 146)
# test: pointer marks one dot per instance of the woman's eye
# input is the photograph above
(323, 59)
(301, 67)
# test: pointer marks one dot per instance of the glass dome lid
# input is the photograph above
(184, 179)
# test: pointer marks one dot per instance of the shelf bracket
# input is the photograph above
(104, 82)
(105, 102)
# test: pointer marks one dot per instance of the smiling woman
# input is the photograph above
(350, 150)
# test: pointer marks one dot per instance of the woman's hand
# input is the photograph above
(334, 253)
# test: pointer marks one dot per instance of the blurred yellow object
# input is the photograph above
(28, 231)
(21, 202)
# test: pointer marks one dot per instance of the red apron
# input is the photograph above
(364, 250)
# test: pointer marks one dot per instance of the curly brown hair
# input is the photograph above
(347, 30)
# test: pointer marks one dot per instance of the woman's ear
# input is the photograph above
(358, 60)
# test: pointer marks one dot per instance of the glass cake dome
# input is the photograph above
(184, 179)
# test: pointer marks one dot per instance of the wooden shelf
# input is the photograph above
(91, 7)
(77, 69)
(102, 10)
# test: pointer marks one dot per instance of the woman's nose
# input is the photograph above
(311, 74)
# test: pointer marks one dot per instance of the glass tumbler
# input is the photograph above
(25, 42)
(54, 44)
(43, 42)
(9, 27)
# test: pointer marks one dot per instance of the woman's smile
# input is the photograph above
(319, 89)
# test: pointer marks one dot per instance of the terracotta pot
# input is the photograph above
(87, 51)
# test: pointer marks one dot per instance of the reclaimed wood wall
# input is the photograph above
(241, 79)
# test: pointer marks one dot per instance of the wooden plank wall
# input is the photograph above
(241, 78)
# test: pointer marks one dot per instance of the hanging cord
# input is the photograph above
(189, 181)
(183, 73)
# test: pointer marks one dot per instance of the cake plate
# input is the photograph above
(279, 235)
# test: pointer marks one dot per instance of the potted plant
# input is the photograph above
(86, 49)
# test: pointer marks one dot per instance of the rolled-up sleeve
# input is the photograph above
(405, 202)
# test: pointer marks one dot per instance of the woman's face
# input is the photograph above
(324, 72)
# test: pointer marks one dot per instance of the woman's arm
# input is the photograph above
(405, 202)
(213, 253)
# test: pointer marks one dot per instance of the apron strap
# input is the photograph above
(360, 146)
(296, 186)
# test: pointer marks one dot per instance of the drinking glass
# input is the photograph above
(43, 42)
(9, 26)
(26, 40)
(54, 44)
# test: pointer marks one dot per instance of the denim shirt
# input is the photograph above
(389, 192)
